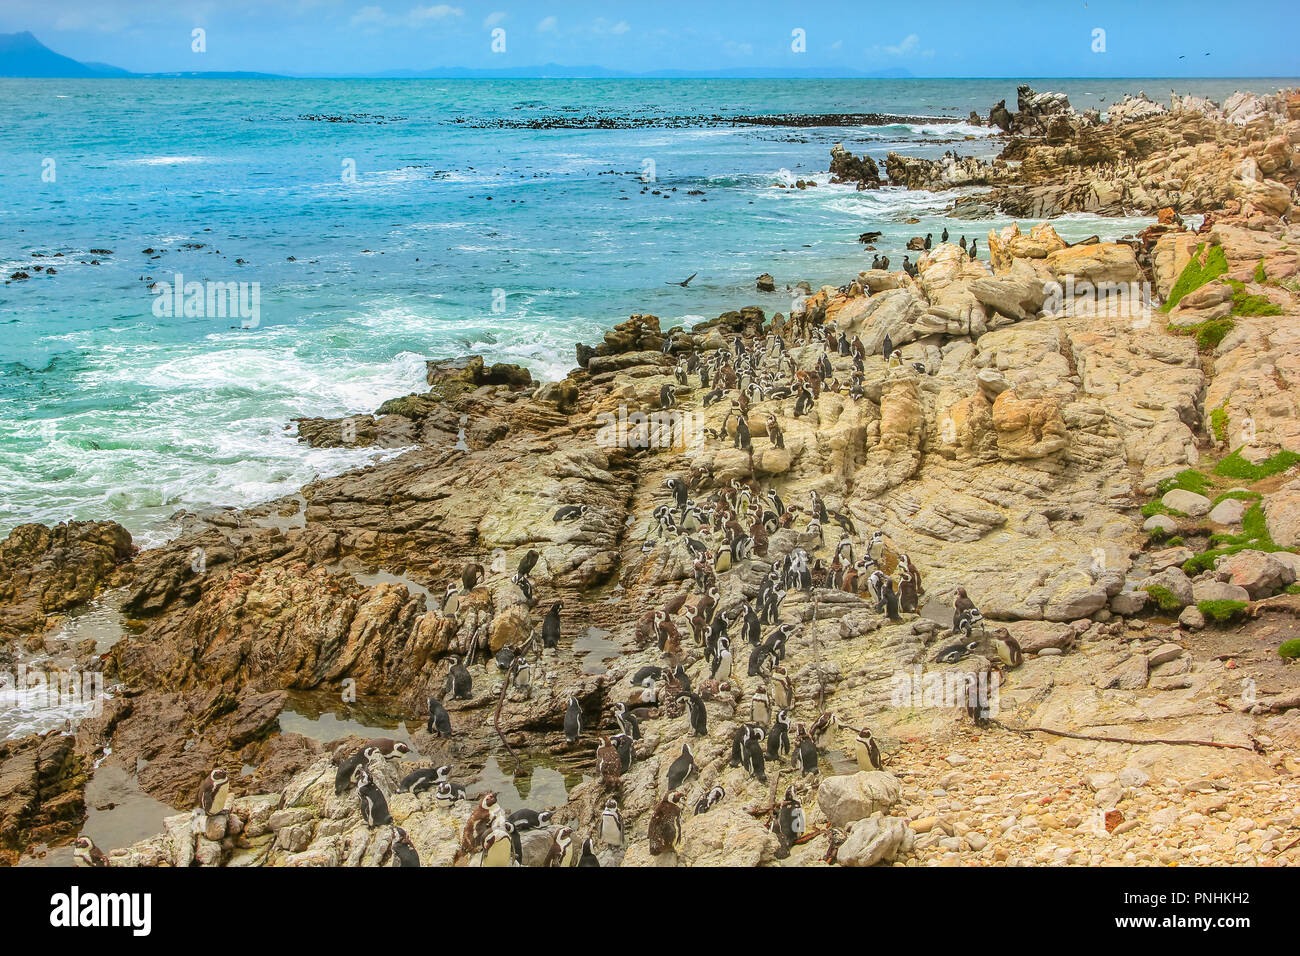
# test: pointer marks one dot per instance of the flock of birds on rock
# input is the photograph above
(728, 528)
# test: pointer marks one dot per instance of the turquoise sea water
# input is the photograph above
(523, 194)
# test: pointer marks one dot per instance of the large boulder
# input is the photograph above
(1259, 573)
(874, 841)
(850, 797)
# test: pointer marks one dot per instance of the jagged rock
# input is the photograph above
(876, 840)
(1257, 572)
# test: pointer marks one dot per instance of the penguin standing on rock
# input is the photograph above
(343, 776)
(459, 683)
(573, 721)
(681, 768)
(778, 738)
(708, 800)
(805, 754)
(588, 855)
(215, 792)
(698, 715)
(404, 852)
(626, 722)
(426, 778)
(439, 722)
(666, 824)
(867, 751)
(374, 807)
(611, 824)
(551, 626)
(791, 821)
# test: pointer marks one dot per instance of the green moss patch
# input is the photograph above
(1289, 650)
(1236, 466)
(1164, 598)
(1220, 611)
(1188, 479)
(1237, 495)
(1195, 274)
(1219, 422)
(1254, 537)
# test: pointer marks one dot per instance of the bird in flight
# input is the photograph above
(685, 283)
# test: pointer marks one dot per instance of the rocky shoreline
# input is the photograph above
(1113, 482)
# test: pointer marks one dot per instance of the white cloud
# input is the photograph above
(547, 25)
(492, 19)
(601, 25)
(837, 44)
(744, 49)
(375, 17)
(910, 45)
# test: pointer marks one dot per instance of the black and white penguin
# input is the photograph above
(551, 626)
(782, 689)
(698, 715)
(611, 824)
(970, 621)
(404, 852)
(641, 673)
(791, 821)
(343, 776)
(449, 792)
(709, 800)
(525, 819)
(626, 722)
(214, 792)
(451, 601)
(439, 722)
(501, 847)
(887, 347)
(426, 778)
(588, 855)
(573, 721)
(374, 807)
(760, 707)
(525, 586)
(459, 683)
(722, 660)
(681, 768)
(754, 756)
(778, 737)
(569, 513)
(953, 653)
(761, 662)
(867, 751)
(805, 755)
(1008, 649)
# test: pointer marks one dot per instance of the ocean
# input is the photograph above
(383, 223)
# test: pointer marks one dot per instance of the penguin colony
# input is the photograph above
(705, 649)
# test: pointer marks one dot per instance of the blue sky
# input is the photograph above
(924, 37)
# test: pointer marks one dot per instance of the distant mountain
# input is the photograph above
(21, 54)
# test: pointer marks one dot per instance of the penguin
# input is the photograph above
(374, 808)
(778, 738)
(426, 778)
(867, 751)
(760, 709)
(887, 347)
(85, 853)
(525, 819)
(956, 652)
(667, 396)
(960, 605)
(626, 751)
(588, 855)
(626, 722)
(404, 852)
(970, 620)
(449, 792)
(611, 824)
(944, 236)
(722, 660)
(561, 848)
(551, 626)
(525, 588)
(573, 721)
(214, 792)
(805, 755)
(388, 747)
(709, 800)
(929, 239)
(609, 765)
(479, 824)
(698, 715)
(451, 602)
(754, 757)
(528, 562)
(501, 847)
(666, 824)
(1008, 649)
(569, 513)
(459, 682)
(782, 689)
(681, 768)
(761, 661)
(774, 433)
(439, 722)
(791, 821)
(739, 742)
